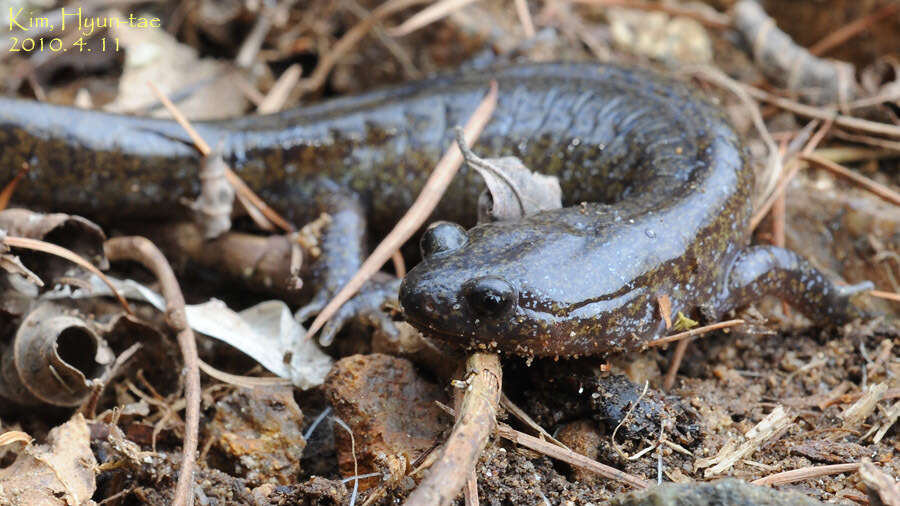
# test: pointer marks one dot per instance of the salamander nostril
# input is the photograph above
(490, 296)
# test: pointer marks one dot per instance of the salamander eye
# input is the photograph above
(441, 237)
(490, 296)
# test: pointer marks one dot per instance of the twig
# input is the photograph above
(869, 140)
(275, 99)
(399, 264)
(428, 198)
(677, 357)
(428, 15)
(852, 29)
(570, 457)
(794, 166)
(768, 430)
(53, 249)
(804, 473)
(523, 417)
(475, 421)
(693, 332)
(250, 47)
(240, 187)
(841, 120)
(525, 17)
(471, 490)
(873, 186)
(834, 395)
(242, 381)
(141, 250)
(328, 60)
(850, 154)
(885, 295)
(398, 51)
(8, 190)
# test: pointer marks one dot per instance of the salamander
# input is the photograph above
(655, 180)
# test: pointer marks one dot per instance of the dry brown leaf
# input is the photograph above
(62, 472)
(154, 54)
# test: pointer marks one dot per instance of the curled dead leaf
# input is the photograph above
(513, 191)
(74, 233)
(55, 358)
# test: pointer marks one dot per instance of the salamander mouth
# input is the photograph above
(429, 330)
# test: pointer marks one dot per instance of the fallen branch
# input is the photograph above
(141, 250)
(475, 422)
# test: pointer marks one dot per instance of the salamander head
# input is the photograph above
(502, 286)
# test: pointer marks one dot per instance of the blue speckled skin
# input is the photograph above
(656, 179)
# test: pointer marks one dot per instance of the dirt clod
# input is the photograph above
(258, 434)
(391, 411)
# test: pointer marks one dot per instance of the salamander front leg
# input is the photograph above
(343, 248)
(768, 270)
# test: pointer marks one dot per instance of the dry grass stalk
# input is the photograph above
(865, 406)
(729, 455)
(520, 414)
(875, 187)
(804, 473)
(274, 101)
(693, 332)
(428, 15)
(892, 415)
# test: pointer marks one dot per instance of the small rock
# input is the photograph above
(729, 491)
(391, 411)
(317, 491)
(261, 429)
(582, 437)
(656, 35)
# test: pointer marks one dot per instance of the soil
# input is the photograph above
(383, 414)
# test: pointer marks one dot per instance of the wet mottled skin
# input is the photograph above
(656, 179)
